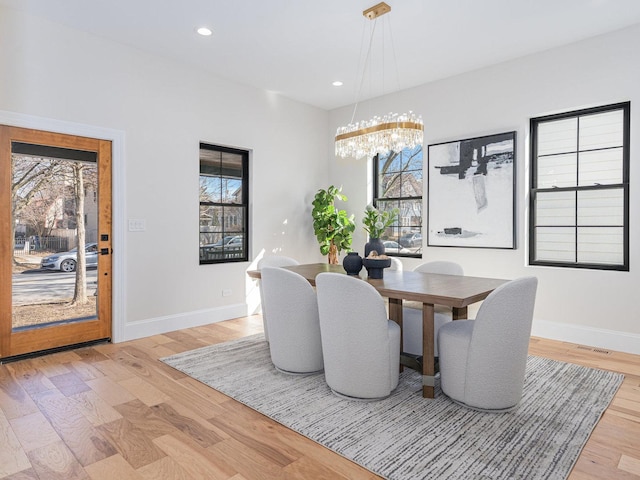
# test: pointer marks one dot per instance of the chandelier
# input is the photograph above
(379, 134)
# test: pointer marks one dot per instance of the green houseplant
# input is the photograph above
(332, 226)
(375, 223)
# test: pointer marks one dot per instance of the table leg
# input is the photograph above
(460, 313)
(395, 314)
(428, 367)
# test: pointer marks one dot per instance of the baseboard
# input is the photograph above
(170, 323)
(594, 337)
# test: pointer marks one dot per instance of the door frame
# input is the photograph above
(117, 139)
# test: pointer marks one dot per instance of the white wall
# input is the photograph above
(598, 308)
(158, 112)
(163, 110)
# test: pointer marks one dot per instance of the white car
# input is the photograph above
(394, 247)
(231, 246)
(66, 261)
(228, 243)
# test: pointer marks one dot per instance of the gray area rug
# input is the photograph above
(408, 437)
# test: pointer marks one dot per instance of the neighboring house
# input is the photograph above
(55, 220)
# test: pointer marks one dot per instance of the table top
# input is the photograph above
(451, 290)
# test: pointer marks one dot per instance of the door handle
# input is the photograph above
(105, 251)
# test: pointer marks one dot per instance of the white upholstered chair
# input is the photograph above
(483, 361)
(361, 346)
(293, 321)
(412, 315)
(396, 264)
(272, 261)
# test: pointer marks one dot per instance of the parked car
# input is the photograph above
(229, 243)
(66, 261)
(232, 242)
(394, 247)
(411, 240)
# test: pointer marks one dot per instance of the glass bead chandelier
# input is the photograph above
(379, 134)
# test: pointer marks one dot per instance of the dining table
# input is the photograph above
(430, 289)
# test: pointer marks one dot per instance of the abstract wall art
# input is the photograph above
(471, 192)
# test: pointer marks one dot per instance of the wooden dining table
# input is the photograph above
(430, 289)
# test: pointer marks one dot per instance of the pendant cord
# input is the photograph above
(393, 51)
(364, 69)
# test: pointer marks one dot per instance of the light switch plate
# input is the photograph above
(137, 225)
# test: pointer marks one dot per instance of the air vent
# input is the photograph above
(593, 349)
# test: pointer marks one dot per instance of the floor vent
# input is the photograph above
(593, 349)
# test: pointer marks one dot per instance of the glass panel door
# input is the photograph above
(59, 223)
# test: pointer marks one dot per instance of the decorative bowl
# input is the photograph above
(375, 266)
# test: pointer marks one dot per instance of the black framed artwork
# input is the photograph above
(471, 192)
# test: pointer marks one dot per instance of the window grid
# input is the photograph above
(405, 168)
(224, 218)
(598, 235)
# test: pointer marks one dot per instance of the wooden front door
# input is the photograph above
(55, 240)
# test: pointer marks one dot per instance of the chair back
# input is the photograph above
(276, 261)
(355, 336)
(293, 323)
(271, 261)
(396, 264)
(412, 312)
(442, 267)
(500, 340)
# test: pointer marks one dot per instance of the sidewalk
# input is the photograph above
(28, 259)
(25, 263)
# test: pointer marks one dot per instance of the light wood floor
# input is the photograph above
(116, 412)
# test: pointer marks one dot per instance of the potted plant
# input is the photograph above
(375, 223)
(332, 226)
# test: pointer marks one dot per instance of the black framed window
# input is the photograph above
(579, 202)
(224, 200)
(398, 184)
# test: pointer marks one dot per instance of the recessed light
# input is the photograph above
(337, 83)
(204, 31)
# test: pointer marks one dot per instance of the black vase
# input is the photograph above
(373, 244)
(352, 263)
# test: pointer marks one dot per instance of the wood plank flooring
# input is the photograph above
(115, 411)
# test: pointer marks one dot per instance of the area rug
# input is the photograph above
(408, 437)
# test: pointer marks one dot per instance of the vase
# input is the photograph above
(373, 244)
(352, 263)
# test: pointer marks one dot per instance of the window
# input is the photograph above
(580, 189)
(224, 222)
(398, 184)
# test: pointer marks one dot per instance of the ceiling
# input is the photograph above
(297, 48)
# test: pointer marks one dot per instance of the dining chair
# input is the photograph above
(483, 361)
(361, 346)
(271, 261)
(396, 264)
(412, 312)
(294, 327)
